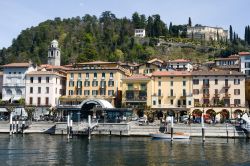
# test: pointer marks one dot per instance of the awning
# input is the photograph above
(6, 98)
(3, 110)
(17, 98)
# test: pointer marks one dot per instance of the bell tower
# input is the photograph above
(54, 54)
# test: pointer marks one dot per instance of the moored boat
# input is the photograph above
(168, 135)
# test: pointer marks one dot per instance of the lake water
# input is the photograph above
(37, 149)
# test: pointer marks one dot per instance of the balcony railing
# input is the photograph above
(226, 86)
(227, 95)
(172, 95)
(216, 95)
(138, 95)
(205, 86)
(206, 95)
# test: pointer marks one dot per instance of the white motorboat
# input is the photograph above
(168, 136)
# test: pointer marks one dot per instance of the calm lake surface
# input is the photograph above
(37, 149)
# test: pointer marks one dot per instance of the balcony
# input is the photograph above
(172, 95)
(157, 95)
(205, 86)
(136, 96)
(206, 95)
(227, 95)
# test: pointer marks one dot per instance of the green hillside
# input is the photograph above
(110, 38)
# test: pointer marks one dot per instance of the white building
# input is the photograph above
(43, 88)
(54, 54)
(207, 33)
(245, 62)
(140, 33)
(14, 80)
(180, 64)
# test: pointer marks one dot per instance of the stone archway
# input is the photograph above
(238, 113)
(197, 112)
(224, 115)
(210, 116)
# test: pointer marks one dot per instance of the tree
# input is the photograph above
(230, 33)
(136, 20)
(189, 22)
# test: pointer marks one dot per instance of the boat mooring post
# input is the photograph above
(71, 128)
(17, 123)
(11, 123)
(23, 125)
(202, 128)
(227, 129)
(68, 126)
(89, 127)
(172, 128)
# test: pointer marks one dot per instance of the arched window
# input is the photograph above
(9, 92)
(18, 92)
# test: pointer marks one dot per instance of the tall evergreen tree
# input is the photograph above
(230, 33)
(189, 22)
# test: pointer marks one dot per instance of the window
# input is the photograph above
(79, 84)
(71, 76)
(216, 81)
(206, 82)
(236, 81)
(159, 83)
(226, 82)
(46, 101)
(47, 79)
(103, 92)
(196, 81)
(31, 100)
(171, 92)
(31, 79)
(71, 92)
(111, 92)
(189, 102)
(56, 80)
(94, 92)
(159, 92)
(95, 75)
(130, 87)
(56, 91)
(38, 101)
(31, 90)
(79, 92)
(9, 72)
(47, 89)
(171, 83)
(216, 91)
(159, 101)
(171, 101)
(237, 102)
(39, 79)
(86, 83)
(236, 91)
(103, 75)
(111, 76)
(14, 72)
(94, 83)
(87, 75)
(154, 102)
(184, 102)
(79, 76)
(71, 83)
(184, 83)
(184, 92)
(39, 90)
(9, 92)
(86, 92)
(111, 83)
(195, 91)
(143, 87)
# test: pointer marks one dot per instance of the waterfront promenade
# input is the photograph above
(132, 128)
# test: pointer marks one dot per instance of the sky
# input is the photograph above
(17, 15)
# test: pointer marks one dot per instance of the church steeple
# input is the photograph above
(54, 54)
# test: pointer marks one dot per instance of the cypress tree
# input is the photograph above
(246, 34)
(189, 22)
(230, 33)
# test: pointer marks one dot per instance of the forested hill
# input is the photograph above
(106, 38)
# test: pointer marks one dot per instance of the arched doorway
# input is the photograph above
(224, 115)
(210, 116)
(238, 113)
(196, 114)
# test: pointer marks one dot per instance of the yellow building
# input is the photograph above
(94, 80)
(135, 90)
(171, 92)
(151, 66)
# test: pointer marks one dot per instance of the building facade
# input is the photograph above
(245, 63)
(14, 84)
(43, 88)
(140, 33)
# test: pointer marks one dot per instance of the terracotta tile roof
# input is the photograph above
(216, 73)
(154, 60)
(171, 73)
(17, 65)
(137, 77)
(244, 53)
(44, 73)
(96, 62)
(228, 58)
(180, 60)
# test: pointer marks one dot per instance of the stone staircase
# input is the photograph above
(41, 127)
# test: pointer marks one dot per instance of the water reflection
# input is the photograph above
(104, 150)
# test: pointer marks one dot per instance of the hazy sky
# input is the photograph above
(17, 15)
